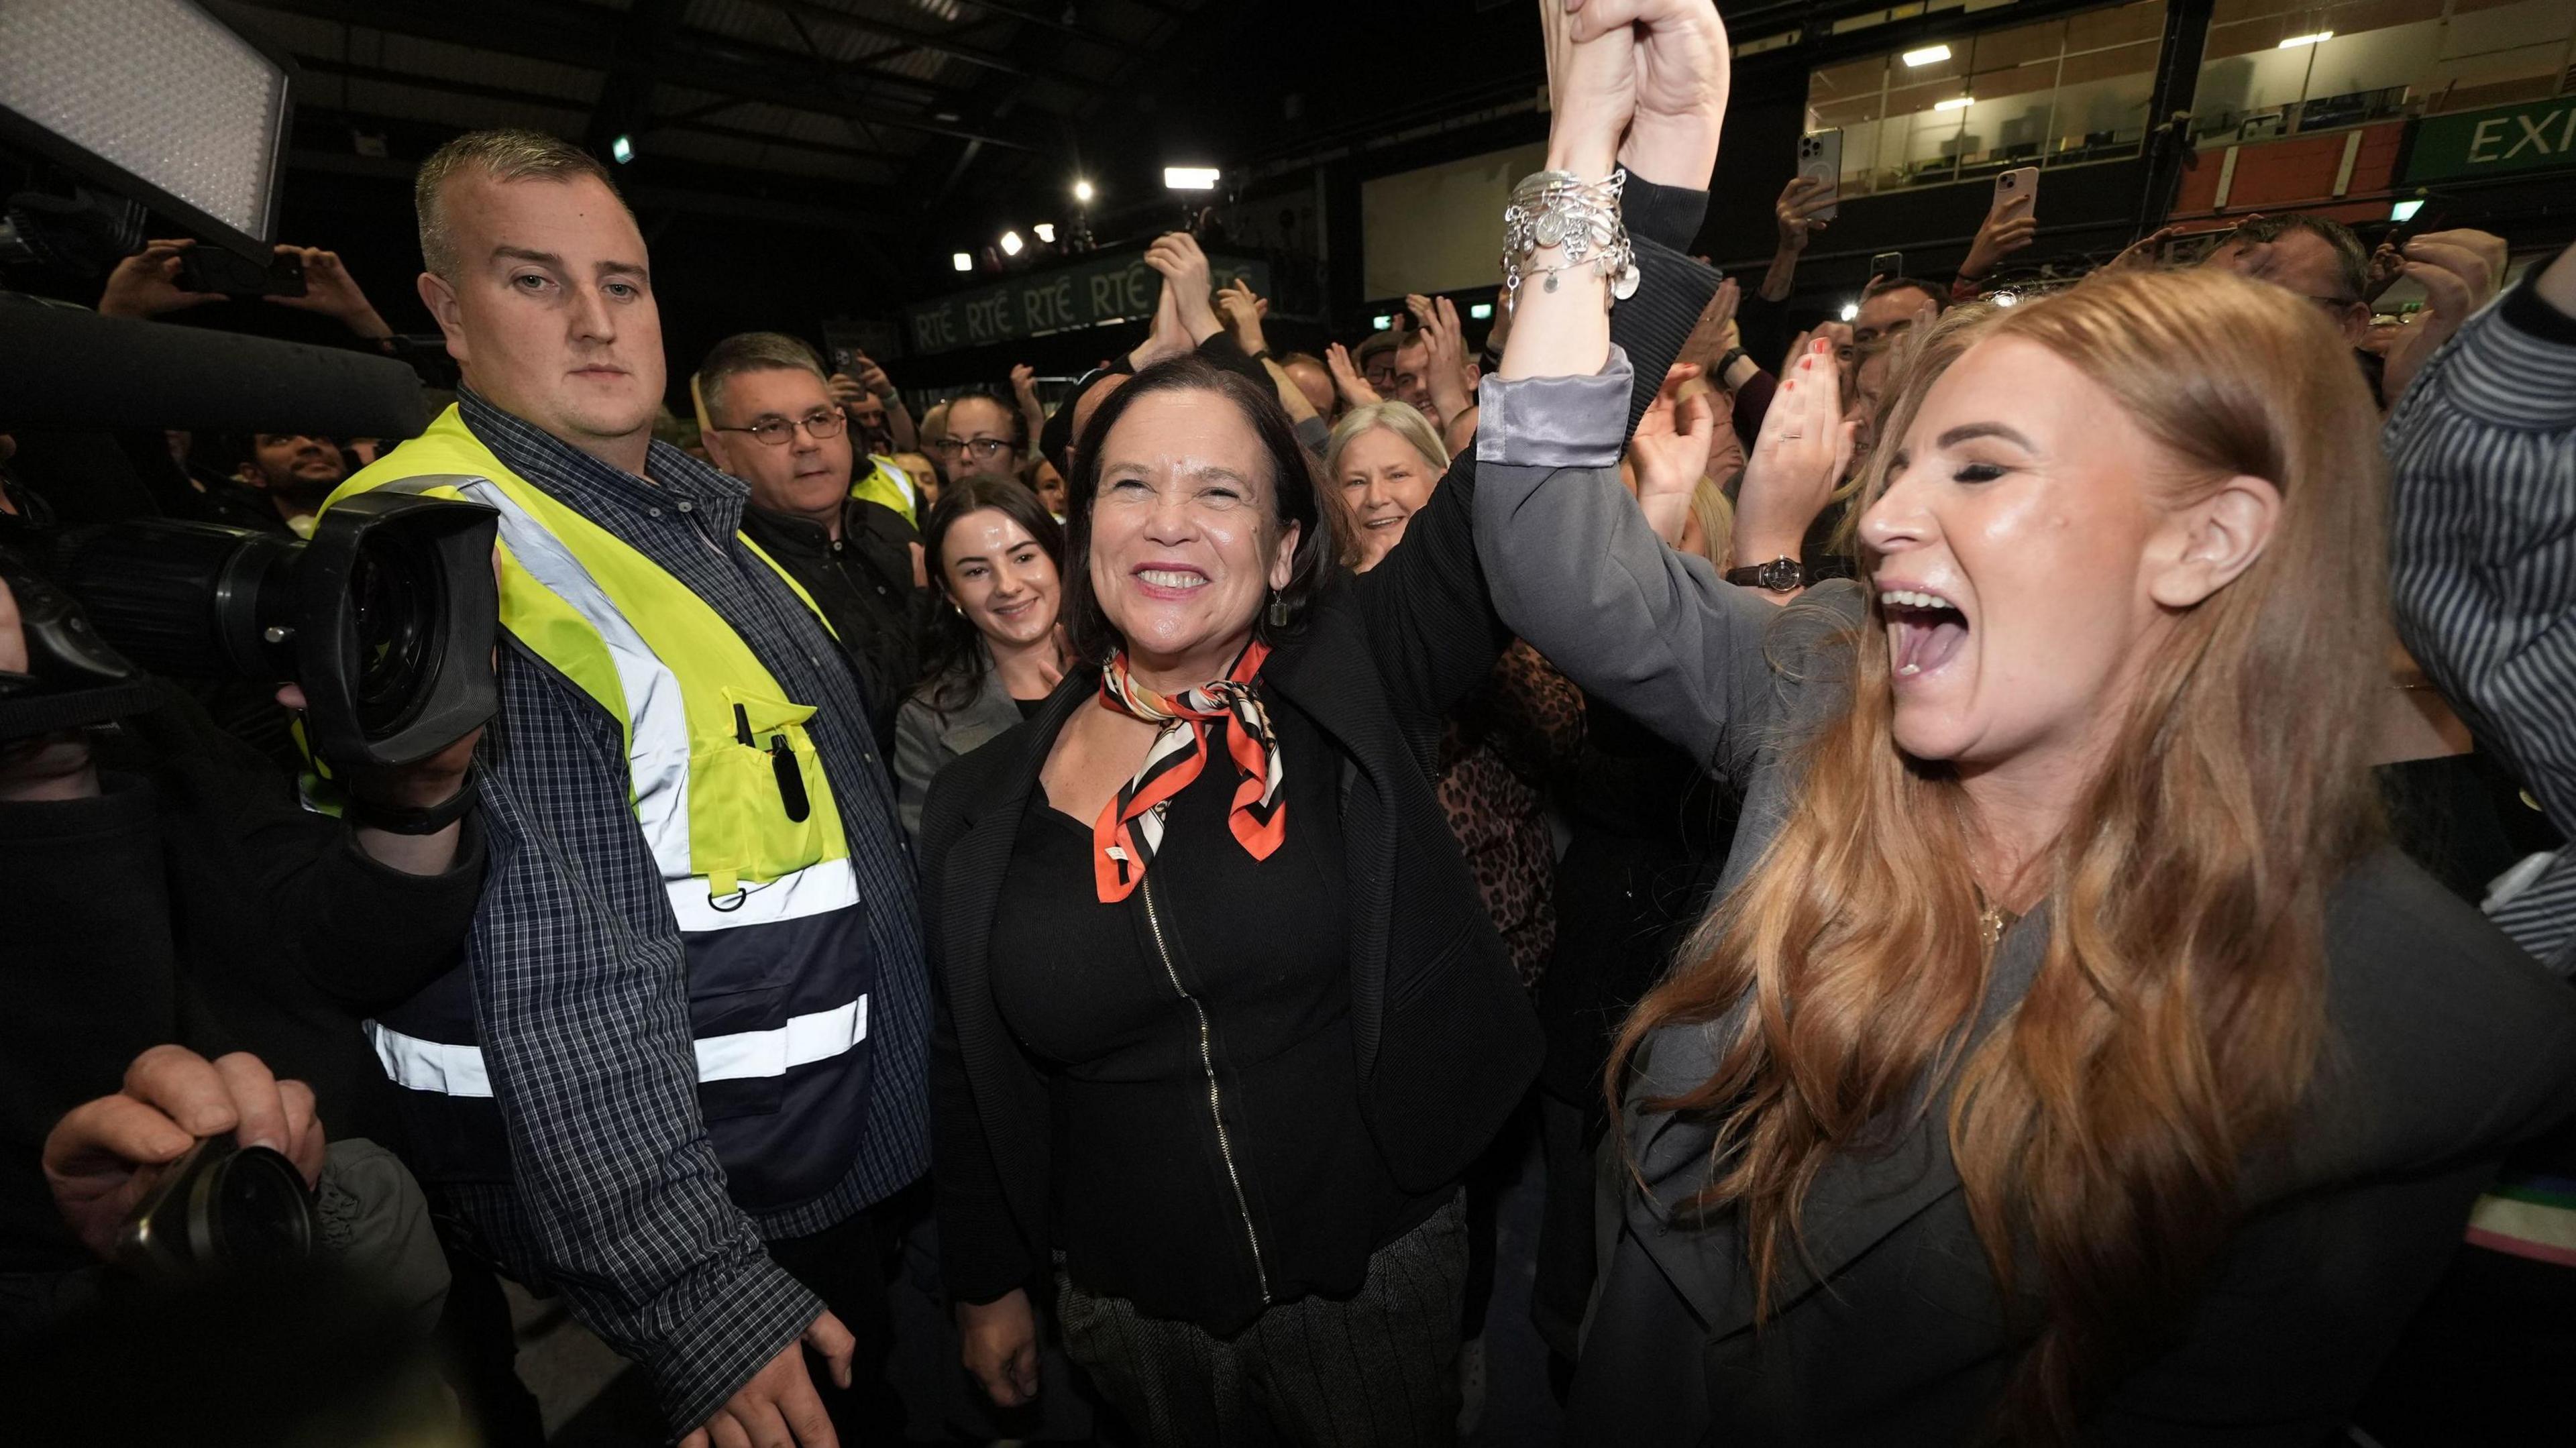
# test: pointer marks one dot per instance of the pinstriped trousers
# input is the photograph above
(1378, 1369)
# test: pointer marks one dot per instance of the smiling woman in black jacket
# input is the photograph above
(1244, 1021)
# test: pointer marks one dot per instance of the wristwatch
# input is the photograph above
(1724, 364)
(1780, 575)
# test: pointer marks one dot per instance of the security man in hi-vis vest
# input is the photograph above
(683, 1056)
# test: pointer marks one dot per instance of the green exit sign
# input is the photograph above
(2529, 136)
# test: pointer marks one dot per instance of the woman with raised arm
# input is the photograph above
(2066, 1055)
(1222, 1017)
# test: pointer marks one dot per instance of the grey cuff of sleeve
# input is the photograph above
(1555, 422)
(1314, 433)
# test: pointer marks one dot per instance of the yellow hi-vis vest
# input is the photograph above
(765, 897)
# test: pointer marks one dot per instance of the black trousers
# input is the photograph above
(1377, 1371)
(847, 1266)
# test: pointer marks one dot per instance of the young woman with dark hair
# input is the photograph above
(2067, 1056)
(994, 652)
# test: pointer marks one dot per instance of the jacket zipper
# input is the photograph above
(1216, 1099)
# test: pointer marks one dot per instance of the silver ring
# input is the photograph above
(1791, 436)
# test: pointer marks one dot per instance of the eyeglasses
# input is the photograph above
(984, 449)
(776, 431)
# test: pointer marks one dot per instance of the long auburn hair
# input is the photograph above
(2177, 1016)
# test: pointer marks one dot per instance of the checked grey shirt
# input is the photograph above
(580, 980)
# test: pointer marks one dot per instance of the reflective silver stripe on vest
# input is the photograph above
(657, 723)
(453, 1070)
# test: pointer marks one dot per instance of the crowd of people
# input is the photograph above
(1998, 851)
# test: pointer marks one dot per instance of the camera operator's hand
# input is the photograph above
(146, 284)
(47, 766)
(331, 291)
(419, 785)
(779, 1407)
(101, 1159)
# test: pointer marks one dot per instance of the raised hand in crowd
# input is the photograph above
(1024, 391)
(1671, 450)
(1803, 452)
(2387, 264)
(103, 1157)
(1837, 334)
(2146, 251)
(1184, 268)
(146, 284)
(332, 292)
(1715, 333)
(1453, 397)
(2009, 226)
(2460, 272)
(1242, 311)
(1347, 380)
(1795, 213)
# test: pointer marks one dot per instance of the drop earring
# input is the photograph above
(1278, 610)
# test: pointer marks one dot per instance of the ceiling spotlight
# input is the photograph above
(2295, 41)
(1190, 178)
(623, 148)
(1011, 243)
(1381, 322)
(1046, 232)
(2405, 210)
(1851, 311)
(1481, 311)
(1955, 103)
(1928, 55)
(1083, 193)
(963, 261)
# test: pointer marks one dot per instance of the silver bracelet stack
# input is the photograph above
(1560, 209)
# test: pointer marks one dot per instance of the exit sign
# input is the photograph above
(2529, 136)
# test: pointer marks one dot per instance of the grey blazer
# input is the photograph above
(928, 740)
(2447, 1046)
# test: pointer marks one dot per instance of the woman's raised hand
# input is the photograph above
(1681, 84)
(1804, 449)
(1591, 85)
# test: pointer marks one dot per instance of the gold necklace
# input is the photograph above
(1992, 920)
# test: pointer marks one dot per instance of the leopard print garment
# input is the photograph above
(1501, 747)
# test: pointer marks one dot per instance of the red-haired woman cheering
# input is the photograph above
(2066, 1055)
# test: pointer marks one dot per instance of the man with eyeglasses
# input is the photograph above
(773, 423)
(982, 440)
